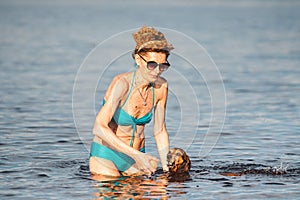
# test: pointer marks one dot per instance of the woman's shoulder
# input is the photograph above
(121, 79)
(161, 88)
(119, 85)
(161, 83)
(120, 82)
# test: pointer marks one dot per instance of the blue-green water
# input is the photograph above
(254, 44)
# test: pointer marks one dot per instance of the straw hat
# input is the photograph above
(148, 38)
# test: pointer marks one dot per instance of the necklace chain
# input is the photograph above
(144, 99)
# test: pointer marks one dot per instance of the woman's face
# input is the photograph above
(158, 57)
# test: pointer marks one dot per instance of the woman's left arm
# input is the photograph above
(160, 131)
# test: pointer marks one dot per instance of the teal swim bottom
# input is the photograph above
(121, 160)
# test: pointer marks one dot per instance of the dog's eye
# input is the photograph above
(169, 156)
(178, 154)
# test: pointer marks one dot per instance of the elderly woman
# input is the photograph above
(130, 102)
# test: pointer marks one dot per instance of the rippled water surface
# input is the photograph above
(256, 47)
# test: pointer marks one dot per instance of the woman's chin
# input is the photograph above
(153, 78)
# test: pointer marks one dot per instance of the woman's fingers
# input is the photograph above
(152, 162)
(147, 164)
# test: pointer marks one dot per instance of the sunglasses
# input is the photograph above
(151, 65)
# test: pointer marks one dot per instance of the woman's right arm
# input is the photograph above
(117, 90)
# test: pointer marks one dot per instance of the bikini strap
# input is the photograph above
(133, 126)
(130, 89)
(153, 95)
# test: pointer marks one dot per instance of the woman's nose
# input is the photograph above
(156, 69)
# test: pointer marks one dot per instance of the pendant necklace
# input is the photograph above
(144, 99)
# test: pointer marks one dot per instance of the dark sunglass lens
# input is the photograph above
(151, 65)
(164, 66)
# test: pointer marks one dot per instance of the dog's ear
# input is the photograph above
(187, 162)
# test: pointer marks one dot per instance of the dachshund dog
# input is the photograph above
(178, 161)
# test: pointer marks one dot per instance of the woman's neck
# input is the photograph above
(141, 82)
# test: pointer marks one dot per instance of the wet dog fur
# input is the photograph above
(179, 164)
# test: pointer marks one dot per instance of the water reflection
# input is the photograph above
(137, 187)
(200, 178)
(132, 187)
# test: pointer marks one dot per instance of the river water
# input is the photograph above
(236, 115)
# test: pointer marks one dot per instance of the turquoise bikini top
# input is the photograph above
(121, 117)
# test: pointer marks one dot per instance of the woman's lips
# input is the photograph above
(154, 76)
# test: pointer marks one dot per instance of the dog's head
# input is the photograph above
(178, 161)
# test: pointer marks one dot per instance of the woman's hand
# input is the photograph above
(145, 163)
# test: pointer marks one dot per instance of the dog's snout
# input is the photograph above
(169, 156)
(169, 159)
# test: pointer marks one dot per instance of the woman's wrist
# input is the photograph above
(135, 153)
(165, 168)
